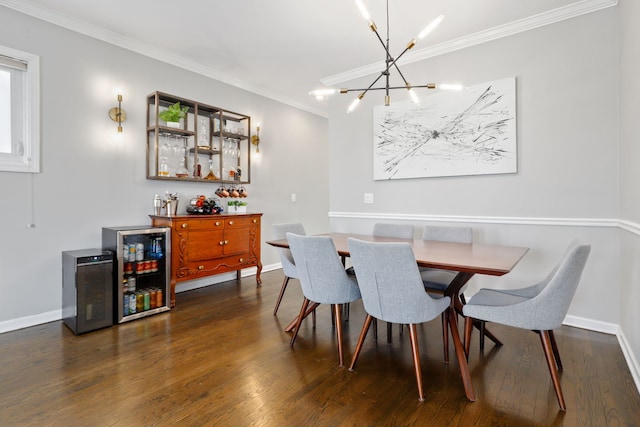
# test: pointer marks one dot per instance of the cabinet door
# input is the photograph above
(237, 241)
(202, 245)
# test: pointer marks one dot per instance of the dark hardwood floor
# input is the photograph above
(222, 358)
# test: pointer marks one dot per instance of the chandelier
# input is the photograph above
(391, 63)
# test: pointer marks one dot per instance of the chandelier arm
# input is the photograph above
(427, 86)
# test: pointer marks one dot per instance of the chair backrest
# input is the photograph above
(401, 231)
(548, 308)
(448, 234)
(554, 300)
(286, 259)
(390, 283)
(322, 276)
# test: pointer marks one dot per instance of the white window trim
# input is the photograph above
(29, 159)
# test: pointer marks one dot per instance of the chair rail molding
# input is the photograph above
(573, 222)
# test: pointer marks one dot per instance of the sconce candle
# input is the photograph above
(117, 114)
(255, 139)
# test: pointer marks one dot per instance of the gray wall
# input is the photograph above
(629, 12)
(567, 184)
(91, 178)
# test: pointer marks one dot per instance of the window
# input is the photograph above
(19, 111)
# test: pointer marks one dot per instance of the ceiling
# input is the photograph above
(282, 49)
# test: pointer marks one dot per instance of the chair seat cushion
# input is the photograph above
(495, 298)
(436, 279)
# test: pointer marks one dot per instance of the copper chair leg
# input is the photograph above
(363, 335)
(389, 332)
(375, 329)
(468, 328)
(282, 289)
(445, 335)
(416, 359)
(338, 315)
(301, 316)
(551, 363)
(556, 353)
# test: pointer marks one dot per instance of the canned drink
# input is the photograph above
(147, 266)
(159, 298)
(147, 300)
(125, 252)
(154, 265)
(140, 267)
(132, 302)
(139, 302)
(128, 268)
(132, 253)
(153, 296)
(139, 252)
(132, 284)
(125, 305)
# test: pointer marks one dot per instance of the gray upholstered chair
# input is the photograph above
(286, 259)
(540, 308)
(323, 279)
(392, 291)
(399, 231)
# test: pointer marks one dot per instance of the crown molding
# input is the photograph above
(573, 10)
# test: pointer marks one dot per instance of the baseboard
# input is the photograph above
(632, 361)
(591, 325)
(28, 321)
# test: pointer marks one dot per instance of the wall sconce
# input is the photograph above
(117, 114)
(255, 139)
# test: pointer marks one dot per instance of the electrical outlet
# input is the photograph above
(368, 197)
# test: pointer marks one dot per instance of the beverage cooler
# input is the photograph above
(141, 270)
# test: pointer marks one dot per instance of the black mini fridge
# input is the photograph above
(87, 289)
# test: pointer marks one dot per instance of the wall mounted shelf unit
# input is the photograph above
(210, 144)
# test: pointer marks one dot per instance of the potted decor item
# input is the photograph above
(173, 114)
(237, 206)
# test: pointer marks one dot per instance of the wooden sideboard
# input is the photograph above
(204, 245)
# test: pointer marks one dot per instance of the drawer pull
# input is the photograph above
(201, 267)
(217, 223)
(184, 225)
(241, 259)
(255, 221)
(226, 242)
(230, 222)
(221, 242)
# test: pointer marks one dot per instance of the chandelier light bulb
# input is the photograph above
(363, 10)
(446, 86)
(413, 95)
(353, 105)
(432, 25)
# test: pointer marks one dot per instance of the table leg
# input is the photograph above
(292, 325)
(453, 291)
(461, 355)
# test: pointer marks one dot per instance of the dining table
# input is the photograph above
(466, 259)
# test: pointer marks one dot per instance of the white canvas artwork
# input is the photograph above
(468, 132)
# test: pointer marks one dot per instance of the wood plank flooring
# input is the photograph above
(221, 358)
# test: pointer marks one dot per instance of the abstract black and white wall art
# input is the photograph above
(451, 133)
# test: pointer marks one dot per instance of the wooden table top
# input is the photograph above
(494, 260)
